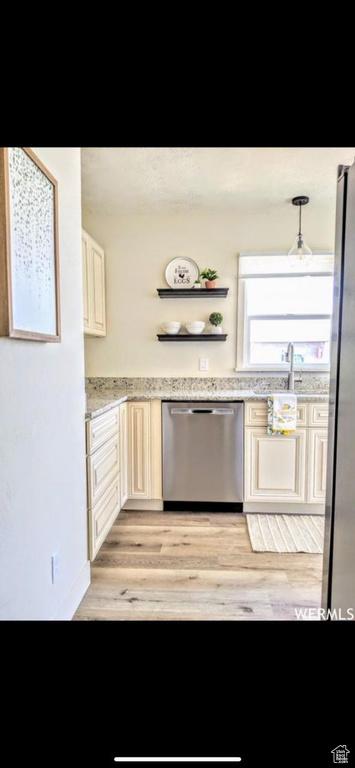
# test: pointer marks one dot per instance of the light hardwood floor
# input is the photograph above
(175, 566)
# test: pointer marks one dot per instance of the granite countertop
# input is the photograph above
(100, 401)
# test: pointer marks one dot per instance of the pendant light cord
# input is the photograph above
(299, 226)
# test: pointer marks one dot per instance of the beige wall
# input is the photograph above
(42, 446)
(138, 247)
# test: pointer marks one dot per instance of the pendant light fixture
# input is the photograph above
(300, 253)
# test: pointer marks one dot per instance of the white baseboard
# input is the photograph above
(153, 505)
(75, 596)
(283, 509)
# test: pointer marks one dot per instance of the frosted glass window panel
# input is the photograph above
(290, 295)
(32, 243)
(290, 330)
(272, 263)
(305, 353)
(269, 341)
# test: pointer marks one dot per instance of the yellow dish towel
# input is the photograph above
(282, 412)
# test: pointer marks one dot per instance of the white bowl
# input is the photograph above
(171, 328)
(195, 327)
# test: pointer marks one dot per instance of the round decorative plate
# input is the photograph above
(181, 273)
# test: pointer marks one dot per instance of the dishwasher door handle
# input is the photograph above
(181, 410)
(223, 411)
(212, 411)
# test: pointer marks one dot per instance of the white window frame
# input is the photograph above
(243, 327)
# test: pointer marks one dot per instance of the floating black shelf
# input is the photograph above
(193, 293)
(192, 337)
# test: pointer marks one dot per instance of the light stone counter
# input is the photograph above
(99, 401)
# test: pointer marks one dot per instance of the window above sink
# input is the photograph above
(278, 304)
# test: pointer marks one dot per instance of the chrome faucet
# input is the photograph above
(291, 375)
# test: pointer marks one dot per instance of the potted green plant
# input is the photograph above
(210, 275)
(197, 284)
(216, 319)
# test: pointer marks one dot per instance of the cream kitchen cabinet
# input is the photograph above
(94, 303)
(318, 414)
(144, 450)
(85, 240)
(275, 467)
(256, 414)
(317, 465)
(124, 451)
(103, 466)
(139, 478)
(124, 463)
(287, 468)
(103, 447)
(99, 430)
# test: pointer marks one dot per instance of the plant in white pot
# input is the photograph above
(197, 284)
(216, 319)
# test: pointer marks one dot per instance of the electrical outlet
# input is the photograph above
(203, 363)
(55, 567)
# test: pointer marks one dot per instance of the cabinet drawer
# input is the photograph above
(101, 428)
(103, 466)
(256, 414)
(103, 515)
(318, 414)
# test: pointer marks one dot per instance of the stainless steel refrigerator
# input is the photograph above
(339, 553)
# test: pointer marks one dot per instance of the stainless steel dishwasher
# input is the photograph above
(203, 456)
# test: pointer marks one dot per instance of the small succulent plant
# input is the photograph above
(216, 318)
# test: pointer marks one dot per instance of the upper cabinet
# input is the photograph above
(94, 309)
(85, 239)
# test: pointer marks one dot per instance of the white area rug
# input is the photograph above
(286, 533)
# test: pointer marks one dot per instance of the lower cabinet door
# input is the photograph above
(156, 457)
(275, 466)
(317, 465)
(124, 452)
(139, 480)
(103, 515)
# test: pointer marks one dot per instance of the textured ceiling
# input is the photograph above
(182, 179)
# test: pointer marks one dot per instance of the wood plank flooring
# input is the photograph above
(177, 566)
